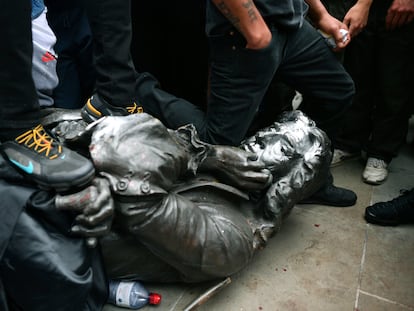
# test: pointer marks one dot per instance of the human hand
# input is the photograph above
(357, 17)
(237, 167)
(401, 12)
(246, 18)
(259, 41)
(95, 209)
(331, 27)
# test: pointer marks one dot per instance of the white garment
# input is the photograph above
(44, 59)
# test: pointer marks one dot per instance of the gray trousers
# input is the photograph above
(44, 60)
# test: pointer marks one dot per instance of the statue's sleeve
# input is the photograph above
(198, 230)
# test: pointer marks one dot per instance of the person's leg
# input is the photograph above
(110, 22)
(357, 121)
(19, 107)
(391, 94)
(171, 110)
(279, 98)
(394, 72)
(24, 142)
(75, 67)
(312, 69)
(239, 79)
(359, 62)
(44, 60)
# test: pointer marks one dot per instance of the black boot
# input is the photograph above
(331, 195)
(399, 210)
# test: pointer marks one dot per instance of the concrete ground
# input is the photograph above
(323, 259)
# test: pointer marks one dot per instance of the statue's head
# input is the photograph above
(293, 135)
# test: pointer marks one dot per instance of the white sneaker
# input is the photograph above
(375, 171)
(340, 156)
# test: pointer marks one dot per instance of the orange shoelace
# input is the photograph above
(38, 140)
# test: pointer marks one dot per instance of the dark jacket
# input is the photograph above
(42, 267)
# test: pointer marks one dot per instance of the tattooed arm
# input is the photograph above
(244, 15)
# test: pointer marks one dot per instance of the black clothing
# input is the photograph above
(19, 106)
(110, 22)
(380, 62)
(240, 78)
(42, 267)
(286, 14)
(75, 68)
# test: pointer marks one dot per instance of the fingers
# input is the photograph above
(95, 207)
(105, 212)
(394, 19)
(254, 180)
(87, 201)
(101, 196)
(77, 201)
(95, 231)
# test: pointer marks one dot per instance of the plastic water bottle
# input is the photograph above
(131, 294)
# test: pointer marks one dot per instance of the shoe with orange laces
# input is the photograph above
(96, 108)
(47, 162)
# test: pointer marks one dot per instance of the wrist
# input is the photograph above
(258, 36)
(365, 3)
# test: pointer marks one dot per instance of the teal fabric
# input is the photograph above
(38, 7)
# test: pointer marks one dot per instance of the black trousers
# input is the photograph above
(110, 22)
(19, 107)
(381, 64)
(240, 79)
(75, 68)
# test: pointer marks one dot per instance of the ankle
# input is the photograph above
(11, 134)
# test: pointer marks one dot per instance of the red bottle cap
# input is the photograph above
(154, 298)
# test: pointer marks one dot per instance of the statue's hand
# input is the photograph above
(237, 167)
(95, 209)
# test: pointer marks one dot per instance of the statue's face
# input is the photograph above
(293, 136)
(271, 147)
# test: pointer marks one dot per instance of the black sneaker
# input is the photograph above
(97, 107)
(47, 162)
(332, 196)
(399, 210)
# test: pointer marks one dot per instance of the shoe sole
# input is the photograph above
(345, 160)
(374, 182)
(64, 187)
(87, 116)
(49, 185)
(375, 221)
(316, 202)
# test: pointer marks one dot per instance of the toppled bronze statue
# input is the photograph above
(183, 210)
